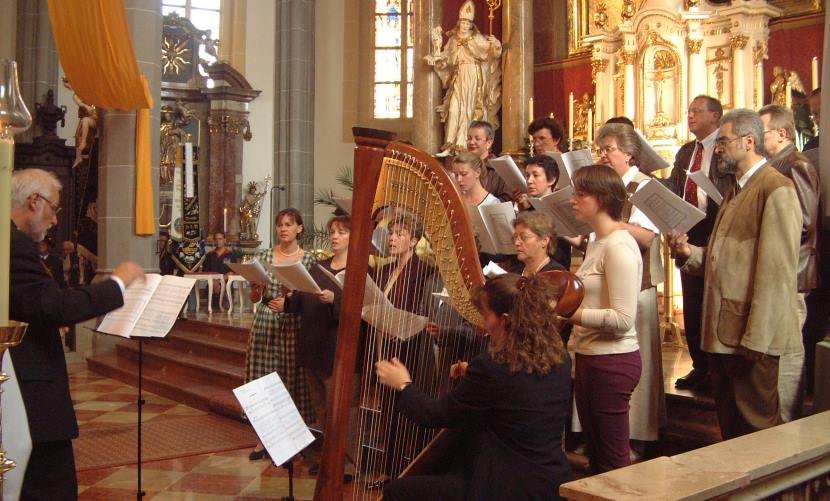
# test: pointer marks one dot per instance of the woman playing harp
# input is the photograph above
(512, 402)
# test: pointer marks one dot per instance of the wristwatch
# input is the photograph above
(404, 385)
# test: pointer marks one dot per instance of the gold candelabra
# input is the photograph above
(492, 6)
(10, 335)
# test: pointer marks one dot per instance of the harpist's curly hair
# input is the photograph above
(532, 343)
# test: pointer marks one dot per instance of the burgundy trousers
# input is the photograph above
(602, 390)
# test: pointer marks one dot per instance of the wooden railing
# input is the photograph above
(791, 461)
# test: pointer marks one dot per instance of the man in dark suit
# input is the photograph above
(52, 262)
(703, 115)
(39, 363)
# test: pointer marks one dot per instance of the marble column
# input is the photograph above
(697, 68)
(758, 56)
(427, 92)
(294, 108)
(37, 57)
(117, 240)
(630, 97)
(738, 43)
(517, 84)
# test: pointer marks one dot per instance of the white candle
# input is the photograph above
(225, 221)
(590, 132)
(188, 170)
(815, 73)
(571, 116)
(788, 95)
(6, 167)
(530, 108)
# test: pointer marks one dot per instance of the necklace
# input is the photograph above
(290, 254)
(542, 265)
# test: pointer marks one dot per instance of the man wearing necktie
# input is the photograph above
(749, 264)
(703, 115)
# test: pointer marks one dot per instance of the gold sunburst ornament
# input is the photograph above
(173, 54)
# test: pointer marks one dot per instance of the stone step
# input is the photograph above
(161, 358)
(210, 347)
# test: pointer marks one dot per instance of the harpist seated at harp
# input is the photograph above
(511, 403)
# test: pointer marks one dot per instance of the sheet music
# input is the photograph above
(274, 416)
(485, 240)
(706, 185)
(372, 295)
(558, 205)
(380, 240)
(164, 306)
(122, 321)
(665, 209)
(650, 160)
(569, 163)
(498, 218)
(252, 272)
(294, 276)
(507, 169)
(393, 322)
(493, 270)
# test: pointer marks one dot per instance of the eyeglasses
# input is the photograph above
(524, 237)
(607, 150)
(55, 209)
(723, 140)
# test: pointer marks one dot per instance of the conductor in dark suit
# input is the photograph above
(39, 363)
(510, 406)
(703, 115)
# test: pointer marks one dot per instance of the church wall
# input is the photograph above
(793, 42)
(8, 29)
(258, 158)
(553, 82)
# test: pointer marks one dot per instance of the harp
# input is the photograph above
(389, 174)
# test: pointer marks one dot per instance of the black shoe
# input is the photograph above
(258, 454)
(314, 469)
(691, 380)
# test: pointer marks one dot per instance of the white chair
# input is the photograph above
(229, 292)
(209, 278)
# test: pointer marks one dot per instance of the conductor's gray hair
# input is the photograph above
(27, 182)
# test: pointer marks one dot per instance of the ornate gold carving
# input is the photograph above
(738, 42)
(692, 4)
(760, 52)
(174, 54)
(654, 38)
(582, 108)
(628, 10)
(694, 45)
(230, 124)
(719, 71)
(628, 57)
(601, 16)
(597, 66)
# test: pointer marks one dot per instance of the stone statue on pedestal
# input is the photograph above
(469, 66)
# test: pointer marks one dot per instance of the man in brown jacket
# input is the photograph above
(749, 266)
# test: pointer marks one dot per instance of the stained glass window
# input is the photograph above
(393, 63)
(204, 14)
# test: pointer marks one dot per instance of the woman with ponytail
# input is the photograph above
(510, 405)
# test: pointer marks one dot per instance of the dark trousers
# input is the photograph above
(746, 393)
(50, 474)
(603, 389)
(692, 317)
(815, 327)
(423, 488)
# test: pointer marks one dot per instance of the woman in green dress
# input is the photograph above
(272, 343)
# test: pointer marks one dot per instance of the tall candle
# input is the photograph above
(571, 117)
(6, 167)
(788, 95)
(815, 73)
(590, 132)
(225, 221)
(530, 108)
(189, 190)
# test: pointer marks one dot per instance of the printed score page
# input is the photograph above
(666, 210)
(122, 321)
(164, 306)
(274, 416)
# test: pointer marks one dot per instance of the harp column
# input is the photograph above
(517, 79)
(427, 133)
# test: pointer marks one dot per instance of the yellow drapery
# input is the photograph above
(96, 52)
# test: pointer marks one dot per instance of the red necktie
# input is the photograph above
(691, 186)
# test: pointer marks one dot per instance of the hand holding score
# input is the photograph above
(679, 245)
(326, 296)
(458, 369)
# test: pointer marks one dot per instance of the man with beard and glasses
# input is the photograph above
(749, 267)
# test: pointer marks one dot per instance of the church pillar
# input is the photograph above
(294, 109)
(117, 240)
(517, 83)
(758, 56)
(697, 68)
(738, 43)
(427, 92)
(37, 57)
(630, 101)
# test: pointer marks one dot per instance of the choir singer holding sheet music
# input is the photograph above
(39, 361)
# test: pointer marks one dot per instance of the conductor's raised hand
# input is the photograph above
(679, 245)
(392, 373)
(128, 272)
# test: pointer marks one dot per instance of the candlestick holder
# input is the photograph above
(10, 335)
